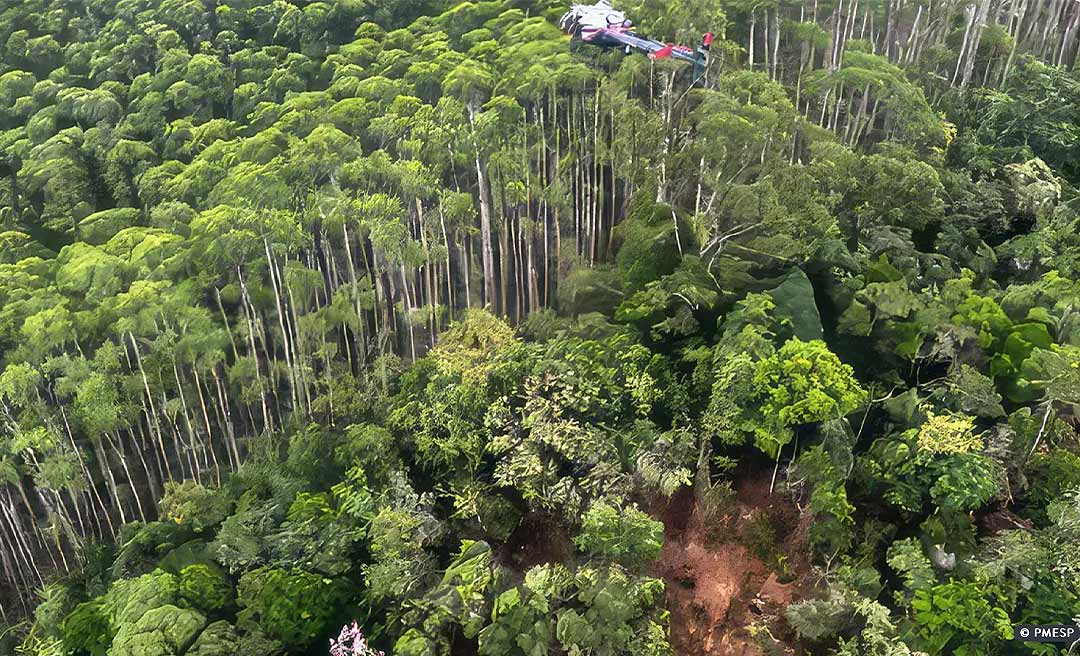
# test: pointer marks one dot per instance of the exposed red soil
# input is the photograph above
(716, 586)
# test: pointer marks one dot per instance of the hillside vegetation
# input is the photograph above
(418, 315)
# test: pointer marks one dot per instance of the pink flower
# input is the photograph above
(351, 642)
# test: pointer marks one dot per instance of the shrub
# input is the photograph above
(628, 536)
(1050, 476)
(759, 536)
(145, 544)
(828, 499)
(204, 587)
(942, 434)
(294, 607)
(960, 617)
(804, 382)
(217, 639)
(817, 619)
(86, 630)
(193, 504)
(129, 599)
(164, 631)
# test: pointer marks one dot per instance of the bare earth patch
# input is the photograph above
(721, 581)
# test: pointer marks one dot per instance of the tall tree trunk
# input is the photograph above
(429, 286)
(449, 265)
(223, 400)
(152, 416)
(127, 472)
(973, 48)
(17, 532)
(485, 216)
(106, 472)
(466, 259)
(249, 314)
(355, 292)
(408, 313)
(86, 471)
(191, 429)
(776, 44)
(275, 284)
(225, 320)
(141, 447)
(750, 41)
(14, 564)
(299, 357)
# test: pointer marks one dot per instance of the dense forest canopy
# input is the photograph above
(422, 316)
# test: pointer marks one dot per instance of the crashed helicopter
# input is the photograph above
(602, 25)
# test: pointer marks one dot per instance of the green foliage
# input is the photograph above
(616, 614)
(399, 534)
(960, 617)
(625, 535)
(944, 435)
(804, 382)
(908, 558)
(1050, 476)
(294, 607)
(964, 482)
(204, 588)
(612, 602)
(294, 267)
(496, 515)
(306, 456)
(521, 620)
(195, 552)
(586, 290)
(828, 499)
(665, 462)
(242, 542)
(129, 599)
(969, 392)
(602, 609)
(1045, 134)
(1009, 344)
(370, 446)
(1061, 539)
(443, 400)
(191, 503)
(794, 299)
(652, 239)
(671, 303)
(55, 602)
(86, 630)
(613, 379)
(460, 599)
(315, 536)
(166, 630)
(817, 619)
(760, 536)
(879, 636)
(908, 476)
(217, 639)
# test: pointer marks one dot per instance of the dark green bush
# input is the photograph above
(86, 630)
(628, 536)
(205, 587)
(1050, 475)
(294, 607)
